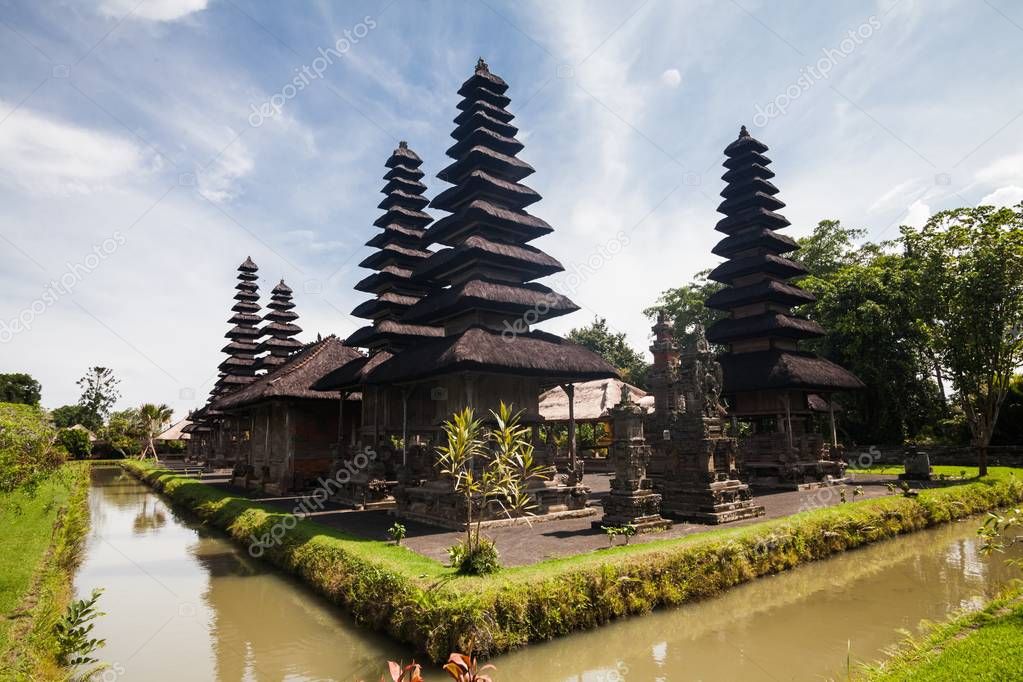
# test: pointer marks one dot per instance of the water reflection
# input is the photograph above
(183, 603)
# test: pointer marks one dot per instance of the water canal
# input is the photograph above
(183, 603)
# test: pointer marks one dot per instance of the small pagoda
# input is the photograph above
(480, 291)
(399, 250)
(770, 383)
(279, 330)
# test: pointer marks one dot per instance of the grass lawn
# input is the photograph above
(949, 471)
(38, 546)
(983, 646)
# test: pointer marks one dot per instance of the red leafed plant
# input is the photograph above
(463, 668)
(412, 672)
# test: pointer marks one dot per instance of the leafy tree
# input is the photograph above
(971, 300)
(19, 388)
(154, 419)
(76, 442)
(830, 247)
(614, 348)
(99, 392)
(685, 307)
(66, 416)
(126, 431)
(27, 455)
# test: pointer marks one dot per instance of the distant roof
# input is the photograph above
(176, 431)
(593, 400)
(79, 427)
(295, 378)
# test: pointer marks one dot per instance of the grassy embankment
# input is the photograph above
(982, 646)
(950, 472)
(420, 601)
(40, 546)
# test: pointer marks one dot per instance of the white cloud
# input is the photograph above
(917, 214)
(672, 78)
(899, 191)
(1003, 196)
(50, 157)
(153, 10)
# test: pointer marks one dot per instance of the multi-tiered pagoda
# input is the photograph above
(279, 330)
(399, 250)
(239, 368)
(481, 292)
(769, 381)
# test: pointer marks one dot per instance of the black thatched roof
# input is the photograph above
(352, 374)
(279, 329)
(493, 296)
(295, 378)
(479, 349)
(521, 262)
(776, 369)
(753, 249)
(240, 365)
(390, 333)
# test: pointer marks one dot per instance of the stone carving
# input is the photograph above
(632, 501)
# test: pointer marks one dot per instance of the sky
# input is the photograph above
(148, 147)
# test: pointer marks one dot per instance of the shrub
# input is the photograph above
(27, 452)
(71, 632)
(76, 442)
(479, 558)
(397, 533)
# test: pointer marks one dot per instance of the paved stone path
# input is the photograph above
(522, 544)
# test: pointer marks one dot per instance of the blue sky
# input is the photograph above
(133, 176)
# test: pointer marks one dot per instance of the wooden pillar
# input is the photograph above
(831, 416)
(788, 420)
(405, 392)
(570, 392)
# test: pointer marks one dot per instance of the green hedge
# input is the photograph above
(416, 600)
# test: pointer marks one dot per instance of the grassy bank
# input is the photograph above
(39, 549)
(417, 600)
(985, 646)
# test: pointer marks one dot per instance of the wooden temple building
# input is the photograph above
(770, 383)
(477, 300)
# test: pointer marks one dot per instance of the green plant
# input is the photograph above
(154, 418)
(857, 491)
(612, 532)
(76, 442)
(489, 470)
(480, 558)
(397, 532)
(841, 494)
(27, 452)
(71, 632)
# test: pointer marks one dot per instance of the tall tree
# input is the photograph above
(20, 388)
(99, 392)
(971, 299)
(614, 348)
(66, 416)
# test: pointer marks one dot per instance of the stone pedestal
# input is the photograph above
(633, 501)
(918, 466)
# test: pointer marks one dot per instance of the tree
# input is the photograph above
(76, 442)
(66, 416)
(685, 307)
(831, 246)
(125, 431)
(971, 300)
(19, 388)
(27, 455)
(99, 392)
(614, 348)
(488, 470)
(154, 419)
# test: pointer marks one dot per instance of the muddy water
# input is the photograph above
(182, 603)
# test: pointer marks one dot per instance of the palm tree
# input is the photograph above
(154, 419)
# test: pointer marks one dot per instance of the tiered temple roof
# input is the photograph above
(762, 333)
(279, 329)
(400, 250)
(488, 265)
(239, 368)
(480, 287)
